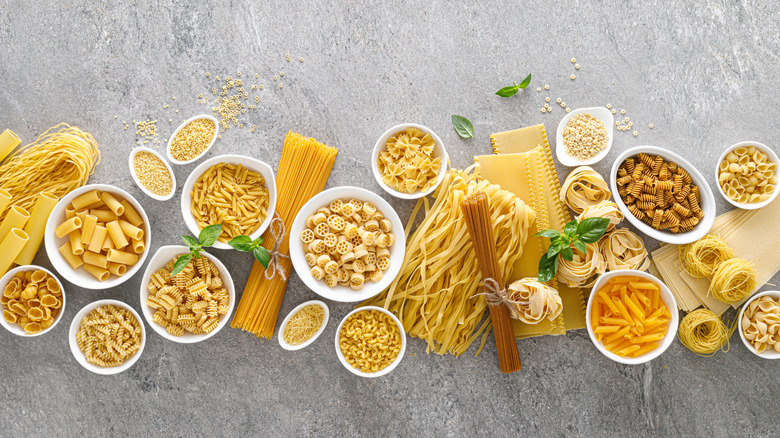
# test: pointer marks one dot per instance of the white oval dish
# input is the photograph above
(763, 148)
(341, 293)
(74, 346)
(80, 277)
(290, 347)
(605, 116)
(158, 261)
(666, 296)
(438, 152)
(248, 162)
(706, 198)
(185, 123)
(767, 354)
(388, 368)
(16, 328)
(138, 182)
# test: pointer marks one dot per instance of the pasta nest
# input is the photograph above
(584, 187)
(583, 267)
(623, 249)
(534, 301)
(606, 209)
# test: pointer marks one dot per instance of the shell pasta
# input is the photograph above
(747, 175)
(32, 299)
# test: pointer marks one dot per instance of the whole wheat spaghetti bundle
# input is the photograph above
(476, 210)
(303, 172)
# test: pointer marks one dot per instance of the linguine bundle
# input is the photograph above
(59, 161)
(704, 333)
(534, 301)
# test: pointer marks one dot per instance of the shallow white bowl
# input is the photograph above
(158, 261)
(438, 152)
(79, 276)
(666, 296)
(599, 112)
(138, 182)
(767, 354)
(706, 198)
(772, 157)
(16, 328)
(341, 293)
(248, 162)
(185, 123)
(388, 368)
(290, 347)
(74, 346)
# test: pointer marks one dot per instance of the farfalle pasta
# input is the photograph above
(408, 164)
(583, 188)
(606, 209)
(347, 243)
(760, 324)
(32, 299)
(533, 301)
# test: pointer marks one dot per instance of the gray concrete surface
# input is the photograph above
(705, 74)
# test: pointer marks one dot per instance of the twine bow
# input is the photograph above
(275, 255)
(495, 296)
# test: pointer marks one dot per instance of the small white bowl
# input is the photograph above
(388, 368)
(74, 346)
(772, 157)
(438, 152)
(341, 293)
(80, 277)
(666, 296)
(605, 116)
(185, 123)
(16, 328)
(248, 162)
(158, 261)
(138, 182)
(767, 354)
(706, 198)
(291, 347)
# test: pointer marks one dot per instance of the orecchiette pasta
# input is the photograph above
(747, 175)
(407, 164)
(760, 323)
(347, 243)
(32, 299)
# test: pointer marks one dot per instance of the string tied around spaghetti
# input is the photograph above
(495, 295)
(276, 227)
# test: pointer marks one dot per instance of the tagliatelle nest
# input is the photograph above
(534, 301)
(606, 209)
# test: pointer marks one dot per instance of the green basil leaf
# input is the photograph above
(190, 241)
(508, 91)
(580, 246)
(262, 256)
(548, 233)
(525, 82)
(592, 229)
(257, 242)
(241, 243)
(553, 249)
(181, 263)
(210, 234)
(567, 254)
(548, 266)
(570, 228)
(462, 126)
(196, 253)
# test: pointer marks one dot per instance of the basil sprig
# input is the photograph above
(246, 244)
(462, 126)
(206, 238)
(513, 89)
(575, 236)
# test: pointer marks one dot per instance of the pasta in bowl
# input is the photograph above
(347, 244)
(747, 175)
(193, 305)
(759, 324)
(97, 236)
(33, 300)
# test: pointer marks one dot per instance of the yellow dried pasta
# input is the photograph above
(408, 164)
(108, 336)
(583, 188)
(747, 175)
(370, 340)
(32, 299)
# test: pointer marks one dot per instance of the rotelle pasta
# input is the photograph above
(533, 301)
(408, 164)
(584, 187)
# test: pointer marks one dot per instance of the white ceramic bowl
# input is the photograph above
(291, 347)
(438, 152)
(767, 354)
(248, 162)
(388, 368)
(341, 293)
(158, 261)
(706, 198)
(138, 182)
(79, 276)
(605, 116)
(185, 123)
(74, 346)
(16, 328)
(772, 157)
(666, 296)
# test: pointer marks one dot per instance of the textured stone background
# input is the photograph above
(705, 74)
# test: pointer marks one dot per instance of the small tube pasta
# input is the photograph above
(132, 215)
(68, 226)
(112, 203)
(95, 259)
(131, 230)
(117, 269)
(67, 253)
(125, 258)
(104, 215)
(138, 246)
(90, 222)
(117, 235)
(86, 200)
(98, 237)
(100, 273)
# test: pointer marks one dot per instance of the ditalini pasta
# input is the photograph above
(102, 248)
(347, 243)
(231, 195)
(32, 299)
(747, 175)
(192, 301)
(408, 164)
(108, 336)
